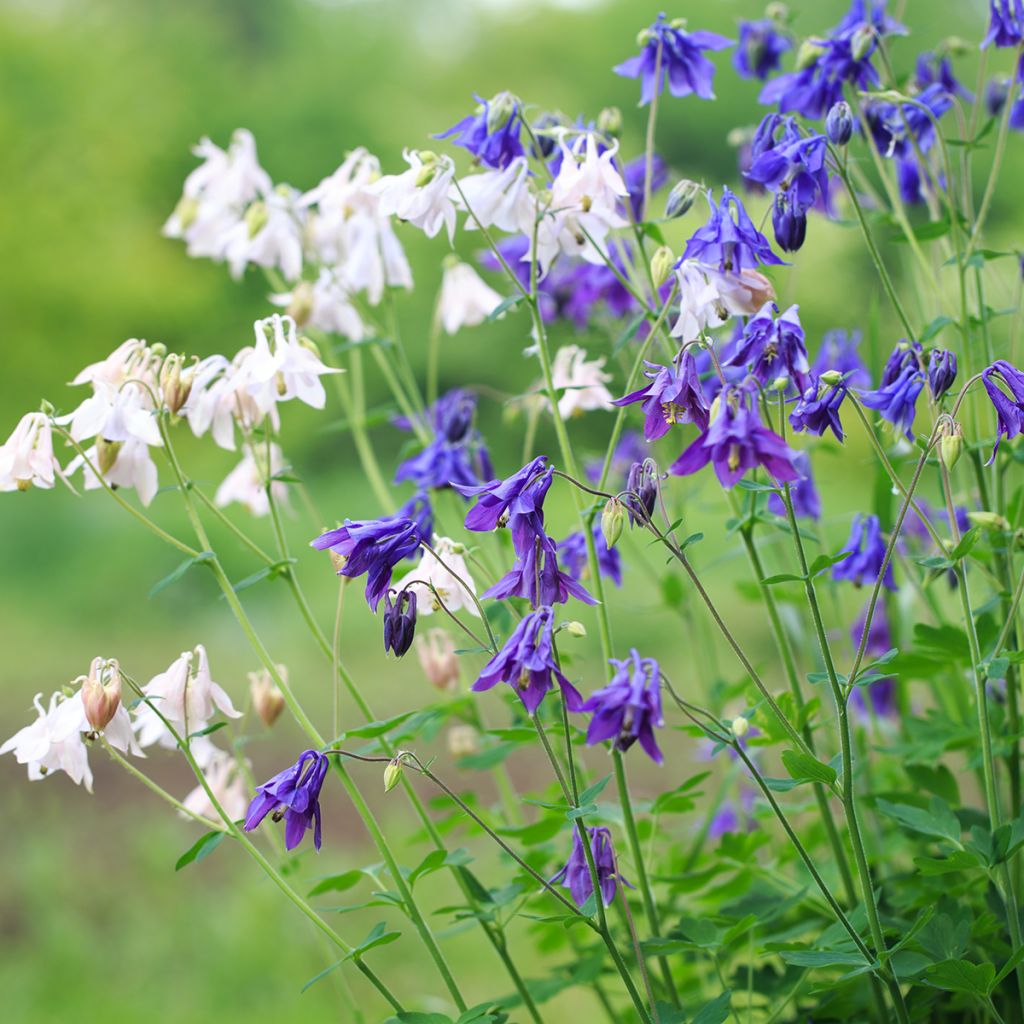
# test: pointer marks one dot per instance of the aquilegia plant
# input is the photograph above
(859, 854)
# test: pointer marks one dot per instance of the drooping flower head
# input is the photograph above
(867, 553)
(527, 663)
(26, 457)
(760, 49)
(896, 401)
(941, 371)
(729, 240)
(642, 485)
(1009, 408)
(536, 575)
(575, 876)
(574, 557)
(817, 408)
(492, 133)
(669, 53)
(501, 502)
(936, 69)
(371, 546)
(673, 396)
(803, 494)
(736, 442)
(399, 621)
(294, 795)
(773, 346)
(628, 709)
(1006, 23)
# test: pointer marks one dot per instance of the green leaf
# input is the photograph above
(176, 574)
(438, 859)
(925, 232)
(824, 958)
(805, 768)
(958, 860)
(782, 577)
(933, 327)
(715, 1012)
(338, 883)
(967, 541)
(938, 820)
(962, 976)
(207, 730)
(539, 832)
(1009, 966)
(504, 306)
(823, 562)
(373, 729)
(591, 793)
(268, 572)
(201, 848)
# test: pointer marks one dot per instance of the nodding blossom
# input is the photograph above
(575, 558)
(501, 199)
(1006, 23)
(867, 553)
(26, 457)
(674, 395)
(293, 794)
(628, 709)
(247, 483)
(1009, 407)
(760, 49)
(729, 240)
(772, 346)
(817, 408)
(399, 621)
(324, 304)
(576, 877)
(492, 133)
(423, 195)
(228, 783)
(445, 570)
(581, 381)
(282, 367)
(465, 300)
(536, 575)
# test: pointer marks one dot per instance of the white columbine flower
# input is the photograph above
(324, 304)
(115, 413)
(132, 359)
(52, 743)
(121, 464)
(499, 198)
(581, 382)
(228, 785)
(220, 398)
(26, 457)
(466, 300)
(455, 595)
(700, 303)
(246, 482)
(421, 195)
(269, 236)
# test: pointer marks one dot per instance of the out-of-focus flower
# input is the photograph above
(573, 556)
(269, 235)
(802, 493)
(1009, 408)
(266, 697)
(575, 876)
(324, 304)
(438, 659)
(500, 199)
(941, 371)
(1006, 23)
(247, 482)
(228, 784)
(581, 381)
(463, 740)
(466, 300)
(293, 794)
(760, 49)
(431, 575)
(867, 553)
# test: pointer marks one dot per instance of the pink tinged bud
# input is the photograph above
(463, 740)
(101, 693)
(267, 699)
(438, 659)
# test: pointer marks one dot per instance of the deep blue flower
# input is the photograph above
(882, 692)
(1006, 23)
(839, 123)
(399, 622)
(729, 240)
(673, 396)
(785, 159)
(535, 574)
(789, 220)
(803, 494)
(1009, 408)
(669, 52)
(902, 130)
(773, 346)
(734, 816)
(371, 546)
(735, 442)
(897, 402)
(293, 794)
(867, 553)
(839, 351)
(573, 290)
(500, 501)
(527, 663)
(869, 12)
(903, 355)
(760, 49)
(817, 409)
(628, 709)
(633, 175)
(575, 876)
(643, 483)
(908, 180)
(941, 371)
(492, 133)
(932, 69)
(574, 557)
(996, 93)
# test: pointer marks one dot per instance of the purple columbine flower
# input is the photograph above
(734, 816)
(399, 622)
(293, 794)
(882, 692)
(817, 409)
(735, 442)
(785, 159)
(729, 240)
(839, 123)
(760, 49)
(674, 395)
(1009, 408)
(573, 556)
(575, 290)
(933, 69)
(670, 53)
(520, 495)
(867, 553)
(492, 133)
(789, 220)
(902, 130)
(773, 346)
(803, 494)
(527, 663)
(642, 481)
(628, 709)
(633, 177)
(997, 91)
(371, 546)
(1006, 23)
(839, 351)
(897, 402)
(418, 509)
(941, 371)
(535, 574)
(575, 876)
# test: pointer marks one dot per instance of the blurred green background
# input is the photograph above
(100, 102)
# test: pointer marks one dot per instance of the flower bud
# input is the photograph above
(609, 121)
(106, 454)
(176, 382)
(831, 378)
(996, 92)
(951, 447)
(839, 123)
(574, 628)
(256, 218)
(661, 265)
(740, 727)
(989, 520)
(862, 42)
(681, 198)
(941, 371)
(809, 52)
(440, 663)
(641, 482)
(501, 108)
(777, 12)
(392, 774)
(101, 693)
(300, 306)
(463, 740)
(613, 519)
(266, 698)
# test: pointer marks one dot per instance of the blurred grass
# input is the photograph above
(99, 103)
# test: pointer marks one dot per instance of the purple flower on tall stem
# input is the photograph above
(642, 482)
(628, 709)
(773, 346)
(897, 401)
(867, 553)
(521, 494)
(527, 663)
(1009, 408)
(670, 53)
(674, 395)
(734, 815)
(729, 240)
(1006, 23)
(803, 494)
(941, 371)
(371, 546)
(492, 133)
(293, 794)
(882, 692)
(399, 622)
(418, 509)
(933, 69)
(535, 574)
(817, 409)
(575, 876)
(760, 49)
(574, 557)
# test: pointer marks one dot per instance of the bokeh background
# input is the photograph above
(100, 101)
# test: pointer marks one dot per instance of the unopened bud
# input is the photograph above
(393, 774)
(613, 519)
(779, 385)
(176, 382)
(661, 265)
(106, 454)
(256, 218)
(681, 198)
(777, 12)
(839, 123)
(574, 628)
(101, 693)
(300, 305)
(862, 42)
(267, 699)
(740, 726)
(989, 520)
(643, 37)
(438, 659)
(954, 46)
(809, 52)
(609, 121)
(831, 378)
(499, 110)
(951, 446)
(463, 740)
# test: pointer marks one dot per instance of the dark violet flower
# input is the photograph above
(760, 49)
(643, 483)
(904, 355)
(628, 709)
(419, 511)
(817, 409)
(839, 351)
(575, 876)
(789, 220)
(669, 52)
(908, 180)
(782, 158)
(729, 240)
(527, 663)
(399, 622)
(293, 794)
(1006, 23)
(941, 371)
(869, 12)
(882, 692)
(574, 558)
(492, 133)
(902, 130)
(633, 175)
(897, 402)
(867, 553)
(933, 69)
(673, 396)
(439, 465)
(371, 546)
(573, 290)
(839, 123)
(498, 501)
(803, 494)
(535, 574)
(772, 346)
(735, 442)
(1009, 408)
(996, 93)
(734, 816)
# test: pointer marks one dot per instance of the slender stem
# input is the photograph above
(652, 118)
